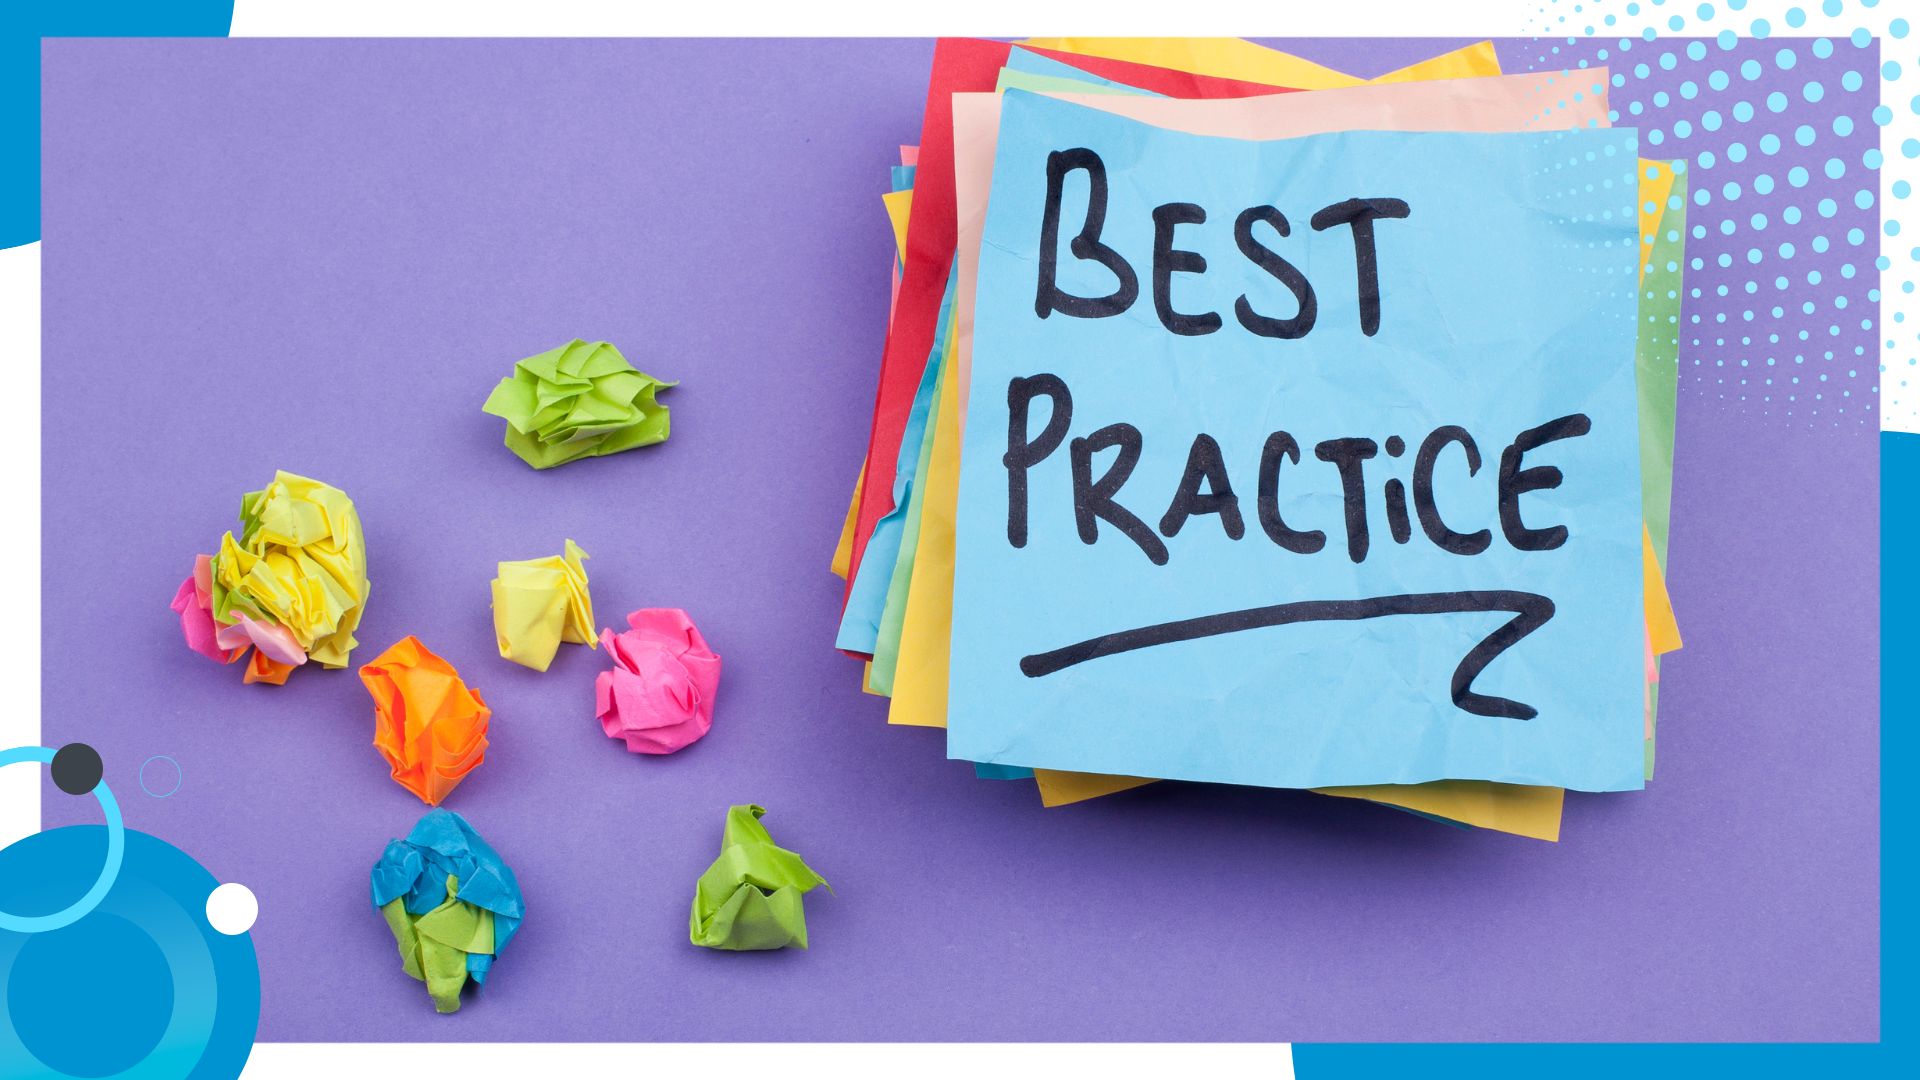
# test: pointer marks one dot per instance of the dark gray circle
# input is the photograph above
(76, 768)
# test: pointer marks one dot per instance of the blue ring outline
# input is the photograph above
(116, 850)
(179, 773)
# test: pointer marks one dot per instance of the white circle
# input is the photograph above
(231, 908)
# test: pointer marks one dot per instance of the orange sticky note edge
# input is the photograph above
(261, 668)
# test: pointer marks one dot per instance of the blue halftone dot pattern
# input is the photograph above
(1780, 138)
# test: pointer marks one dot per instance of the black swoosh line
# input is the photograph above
(1531, 612)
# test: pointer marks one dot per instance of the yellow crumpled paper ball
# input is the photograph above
(300, 562)
(539, 603)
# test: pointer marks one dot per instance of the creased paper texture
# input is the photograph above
(451, 903)
(1501, 307)
(580, 400)
(751, 898)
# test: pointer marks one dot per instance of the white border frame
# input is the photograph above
(20, 443)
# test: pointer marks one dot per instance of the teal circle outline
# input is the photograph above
(179, 774)
(116, 850)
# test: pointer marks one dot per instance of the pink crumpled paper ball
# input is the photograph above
(659, 695)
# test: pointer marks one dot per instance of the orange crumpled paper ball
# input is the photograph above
(427, 723)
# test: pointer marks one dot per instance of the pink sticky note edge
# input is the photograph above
(1653, 677)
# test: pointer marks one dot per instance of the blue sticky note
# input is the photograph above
(1304, 462)
(442, 844)
(867, 597)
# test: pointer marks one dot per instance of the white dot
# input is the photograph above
(231, 908)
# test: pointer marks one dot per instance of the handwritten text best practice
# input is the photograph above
(1205, 487)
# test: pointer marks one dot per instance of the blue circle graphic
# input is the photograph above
(109, 869)
(143, 987)
(58, 975)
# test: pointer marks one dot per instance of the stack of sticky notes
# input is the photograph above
(1248, 422)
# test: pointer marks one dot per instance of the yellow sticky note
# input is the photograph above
(926, 630)
(1059, 788)
(539, 603)
(1656, 185)
(1520, 809)
(899, 205)
(1235, 58)
(843, 551)
(1663, 633)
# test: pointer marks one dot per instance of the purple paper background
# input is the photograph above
(319, 256)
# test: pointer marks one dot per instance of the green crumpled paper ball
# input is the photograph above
(750, 898)
(434, 946)
(580, 400)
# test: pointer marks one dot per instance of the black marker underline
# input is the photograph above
(1531, 611)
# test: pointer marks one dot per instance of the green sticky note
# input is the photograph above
(580, 400)
(434, 946)
(750, 898)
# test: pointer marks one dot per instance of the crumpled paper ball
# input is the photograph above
(750, 898)
(279, 654)
(451, 902)
(539, 603)
(292, 588)
(429, 726)
(580, 400)
(659, 695)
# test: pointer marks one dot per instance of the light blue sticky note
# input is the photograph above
(867, 597)
(1263, 645)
